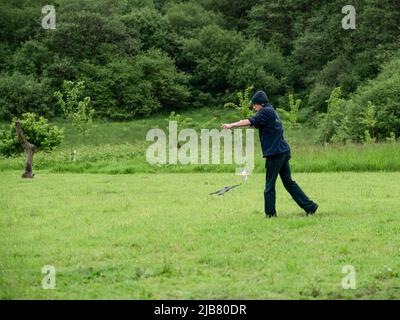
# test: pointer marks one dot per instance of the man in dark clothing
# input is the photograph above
(277, 153)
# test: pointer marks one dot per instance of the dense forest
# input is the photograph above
(138, 57)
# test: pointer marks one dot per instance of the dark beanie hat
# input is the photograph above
(260, 97)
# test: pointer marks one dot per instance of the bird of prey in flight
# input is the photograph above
(223, 190)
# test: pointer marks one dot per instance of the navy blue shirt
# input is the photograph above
(270, 130)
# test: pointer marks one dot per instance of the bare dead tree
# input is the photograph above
(28, 148)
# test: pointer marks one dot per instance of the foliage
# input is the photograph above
(183, 122)
(262, 66)
(203, 52)
(22, 93)
(368, 120)
(291, 117)
(334, 116)
(77, 109)
(188, 18)
(133, 87)
(209, 56)
(37, 131)
(376, 105)
(244, 107)
(371, 114)
(116, 147)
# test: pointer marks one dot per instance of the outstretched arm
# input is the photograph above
(241, 123)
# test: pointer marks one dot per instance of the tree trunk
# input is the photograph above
(29, 151)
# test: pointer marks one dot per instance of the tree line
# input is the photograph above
(138, 57)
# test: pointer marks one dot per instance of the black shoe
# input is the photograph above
(270, 215)
(313, 210)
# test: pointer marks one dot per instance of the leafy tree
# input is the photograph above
(31, 58)
(37, 131)
(368, 120)
(291, 117)
(244, 107)
(182, 121)
(210, 57)
(331, 120)
(272, 22)
(150, 27)
(87, 35)
(264, 67)
(188, 18)
(233, 12)
(383, 93)
(76, 108)
(139, 86)
(22, 93)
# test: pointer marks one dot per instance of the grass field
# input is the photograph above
(148, 236)
(120, 148)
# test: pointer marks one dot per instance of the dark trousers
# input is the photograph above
(279, 164)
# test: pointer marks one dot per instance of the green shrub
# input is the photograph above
(150, 27)
(22, 93)
(37, 131)
(244, 107)
(262, 66)
(291, 117)
(76, 107)
(376, 105)
(31, 58)
(332, 119)
(187, 18)
(182, 121)
(129, 87)
(209, 57)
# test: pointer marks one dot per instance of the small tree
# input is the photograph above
(244, 107)
(77, 109)
(36, 130)
(182, 122)
(369, 121)
(291, 117)
(332, 120)
(391, 138)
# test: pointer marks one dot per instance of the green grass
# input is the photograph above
(128, 158)
(120, 147)
(148, 236)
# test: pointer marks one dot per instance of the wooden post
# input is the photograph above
(28, 148)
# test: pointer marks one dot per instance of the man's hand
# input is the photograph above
(226, 126)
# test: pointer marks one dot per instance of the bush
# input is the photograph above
(76, 107)
(187, 18)
(209, 57)
(36, 130)
(332, 120)
(22, 93)
(92, 36)
(291, 117)
(129, 87)
(31, 58)
(244, 106)
(263, 67)
(383, 93)
(150, 27)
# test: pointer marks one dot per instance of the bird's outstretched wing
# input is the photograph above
(224, 190)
